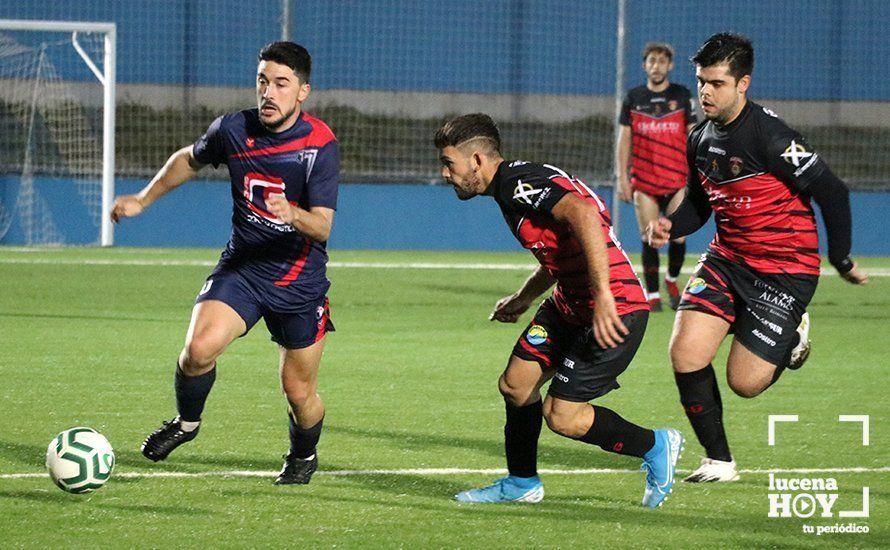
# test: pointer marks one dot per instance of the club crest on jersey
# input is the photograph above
(735, 165)
(672, 105)
(249, 142)
(525, 192)
(795, 152)
(536, 335)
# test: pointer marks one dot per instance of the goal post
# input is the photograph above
(106, 75)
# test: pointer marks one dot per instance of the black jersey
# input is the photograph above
(527, 193)
(754, 173)
(658, 122)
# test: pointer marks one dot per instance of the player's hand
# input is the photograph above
(126, 206)
(659, 232)
(625, 193)
(608, 330)
(855, 276)
(279, 207)
(509, 309)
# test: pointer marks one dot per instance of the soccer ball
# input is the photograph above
(79, 460)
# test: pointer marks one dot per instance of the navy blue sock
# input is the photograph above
(191, 393)
(303, 440)
(521, 434)
(616, 435)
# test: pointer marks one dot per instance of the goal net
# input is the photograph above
(54, 161)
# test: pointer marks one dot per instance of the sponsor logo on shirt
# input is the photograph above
(658, 127)
(795, 153)
(525, 192)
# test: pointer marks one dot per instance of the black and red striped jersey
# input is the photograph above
(755, 172)
(302, 163)
(526, 193)
(658, 122)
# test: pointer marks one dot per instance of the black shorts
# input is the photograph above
(762, 309)
(584, 370)
(299, 327)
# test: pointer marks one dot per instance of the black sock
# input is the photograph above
(676, 253)
(650, 267)
(521, 434)
(700, 397)
(616, 435)
(303, 440)
(191, 393)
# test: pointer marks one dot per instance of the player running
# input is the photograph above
(284, 166)
(757, 175)
(652, 143)
(583, 336)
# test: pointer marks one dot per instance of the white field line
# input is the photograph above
(873, 272)
(450, 471)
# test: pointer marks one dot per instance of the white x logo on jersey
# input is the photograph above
(525, 192)
(794, 153)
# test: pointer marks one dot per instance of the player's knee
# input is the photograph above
(199, 354)
(516, 395)
(745, 388)
(564, 423)
(298, 394)
(684, 357)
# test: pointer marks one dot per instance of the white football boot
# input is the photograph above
(801, 351)
(713, 470)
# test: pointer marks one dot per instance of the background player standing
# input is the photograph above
(757, 175)
(284, 166)
(583, 336)
(651, 160)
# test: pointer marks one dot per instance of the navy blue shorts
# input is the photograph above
(299, 327)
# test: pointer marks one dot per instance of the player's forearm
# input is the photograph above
(537, 283)
(314, 225)
(179, 168)
(585, 223)
(692, 213)
(833, 198)
(622, 153)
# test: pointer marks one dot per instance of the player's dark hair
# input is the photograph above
(726, 47)
(466, 128)
(658, 47)
(293, 55)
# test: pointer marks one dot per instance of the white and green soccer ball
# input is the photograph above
(79, 460)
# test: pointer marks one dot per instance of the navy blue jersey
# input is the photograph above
(303, 164)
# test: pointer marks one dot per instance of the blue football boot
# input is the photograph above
(506, 489)
(660, 464)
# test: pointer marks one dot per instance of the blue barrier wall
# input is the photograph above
(806, 49)
(427, 217)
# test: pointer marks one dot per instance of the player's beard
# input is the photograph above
(275, 124)
(467, 190)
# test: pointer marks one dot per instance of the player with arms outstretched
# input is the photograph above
(582, 337)
(284, 166)
(757, 176)
(651, 160)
